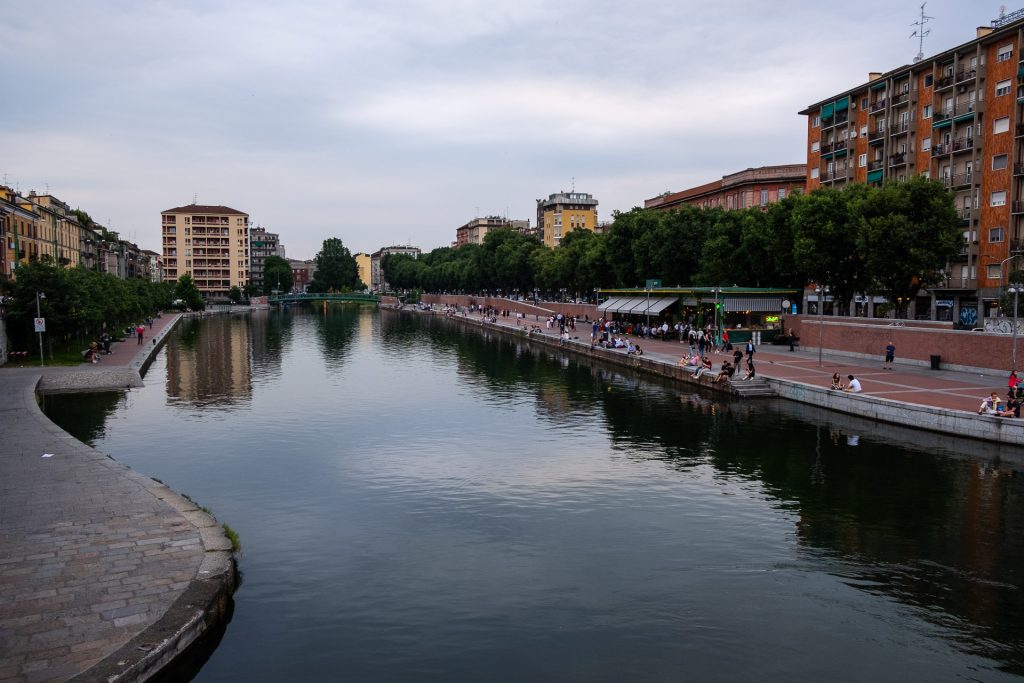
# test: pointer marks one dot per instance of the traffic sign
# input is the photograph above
(40, 324)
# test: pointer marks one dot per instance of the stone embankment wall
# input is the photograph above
(541, 308)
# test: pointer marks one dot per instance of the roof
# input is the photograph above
(723, 291)
(206, 209)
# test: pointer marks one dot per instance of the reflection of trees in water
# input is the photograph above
(83, 416)
(898, 514)
(336, 326)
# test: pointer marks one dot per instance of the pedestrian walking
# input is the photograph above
(890, 356)
(750, 351)
(139, 331)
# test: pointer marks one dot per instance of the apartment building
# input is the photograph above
(363, 266)
(262, 244)
(302, 273)
(955, 117)
(475, 230)
(377, 282)
(563, 212)
(37, 226)
(742, 190)
(211, 243)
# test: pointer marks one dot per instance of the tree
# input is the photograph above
(277, 274)
(187, 291)
(825, 229)
(235, 294)
(908, 233)
(336, 269)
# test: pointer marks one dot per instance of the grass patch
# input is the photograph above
(232, 535)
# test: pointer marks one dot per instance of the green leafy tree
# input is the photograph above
(336, 269)
(908, 233)
(187, 291)
(277, 274)
(235, 294)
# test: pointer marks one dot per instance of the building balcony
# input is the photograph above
(961, 144)
(1016, 246)
(898, 159)
(900, 98)
(941, 115)
(875, 165)
(1017, 207)
(1018, 169)
(959, 283)
(958, 180)
(874, 135)
(878, 104)
(965, 74)
(938, 150)
(944, 82)
(899, 128)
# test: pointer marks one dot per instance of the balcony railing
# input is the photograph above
(878, 104)
(898, 128)
(897, 159)
(964, 74)
(900, 98)
(962, 144)
(1018, 169)
(964, 213)
(1016, 246)
(944, 82)
(1020, 129)
(1017, 207)
(942, 115)
(959, 283)
(940, 149)
(875, 165)
(876, 134)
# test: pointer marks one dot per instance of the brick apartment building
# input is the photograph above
(752, 187)
(955, 117)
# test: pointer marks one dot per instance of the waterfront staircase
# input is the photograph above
(757, 387)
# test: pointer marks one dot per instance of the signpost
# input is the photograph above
(40, 326)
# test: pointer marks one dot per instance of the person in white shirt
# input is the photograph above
(853, 385)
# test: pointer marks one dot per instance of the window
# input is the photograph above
(926, 144)
(1002, 88)
(998, 198)
(863, 131)
(999, 162)
(863, 103)
(862, 160)
(996, 234)
(815, 146)
(928, 80)
(926, 112)
(816, 121)
(782, 193)
(814, 173)
(993, 271)
(1004, 54)
(764, 197)
(1001, 125)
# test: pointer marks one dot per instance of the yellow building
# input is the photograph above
(363, 265)
(41, 226)
(211, 243)
(561, 213)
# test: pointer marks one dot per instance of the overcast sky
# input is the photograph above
(395, 122)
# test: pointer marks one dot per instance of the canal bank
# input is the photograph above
(106, 574)
(940, 401)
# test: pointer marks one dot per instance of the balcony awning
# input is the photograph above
(841, 152)
(878, 85)
(875, 176)
(943, 123)
(842, 103)
(826, 111)
(628, 305)
(1020, 71)
(771, 304)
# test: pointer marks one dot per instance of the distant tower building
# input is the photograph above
(261, 245)
(363, 266)
(561, 213)
(211, 243)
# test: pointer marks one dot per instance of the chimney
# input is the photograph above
(874, 75)
(984, 31)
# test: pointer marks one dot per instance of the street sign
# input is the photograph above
(40, 324)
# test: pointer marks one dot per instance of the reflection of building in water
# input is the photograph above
(266, 340)
(209, 362)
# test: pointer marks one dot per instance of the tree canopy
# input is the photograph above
(277, 274)
(336, 269)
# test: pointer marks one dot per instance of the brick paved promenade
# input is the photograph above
(103, 571)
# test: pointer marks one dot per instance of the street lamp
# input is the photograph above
(1015, 289)
(39, 314)
(821, 317)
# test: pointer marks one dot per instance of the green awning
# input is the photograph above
(826, 111)
(943, 123)
(842, 104)
(875, 176)
(1020, 71)
(827, 155)
(963, 117)
(878, 85)
(840, 153)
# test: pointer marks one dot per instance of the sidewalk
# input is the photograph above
(104, 572)
(952, 390)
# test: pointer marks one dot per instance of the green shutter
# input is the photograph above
(878, 85)
(826, 111)
(842, 104)
(875, 176)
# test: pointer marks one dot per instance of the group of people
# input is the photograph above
(728, 369)
(993, 405)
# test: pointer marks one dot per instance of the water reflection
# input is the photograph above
(209, 362)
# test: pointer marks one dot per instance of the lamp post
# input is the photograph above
(821, 317)
(1015, 289)
(648, 306)
(718, 334)
(39, 314)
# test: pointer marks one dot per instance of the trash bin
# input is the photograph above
(935, 362)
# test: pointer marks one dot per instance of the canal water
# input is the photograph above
(420, 501)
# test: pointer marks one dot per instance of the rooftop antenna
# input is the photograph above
(573, 179)
(921, 33)
(195, 196)
(47, 187)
